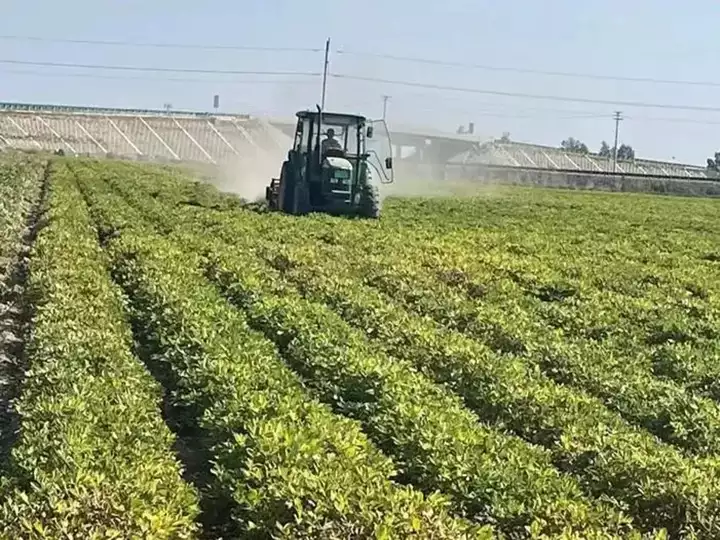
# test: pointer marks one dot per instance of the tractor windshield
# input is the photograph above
(342, 137)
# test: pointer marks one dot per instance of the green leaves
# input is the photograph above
(544, 361)
(94, 458)
(20, 180)
(586, 440)
(435, 441)
(290, 466)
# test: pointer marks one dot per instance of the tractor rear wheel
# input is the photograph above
(368, 205)
(286, 191)
(301, 199)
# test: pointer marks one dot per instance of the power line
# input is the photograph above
(573, 74)
(160, 45)
(580, 114)
(473, 108)
(482, 109)
(527, 95)
(487, 109)
(672, 120)
(402, 99)
(157, 69)
(507, 110)
(153, 79)
(397, 58)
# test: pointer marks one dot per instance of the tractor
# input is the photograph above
(329, 168)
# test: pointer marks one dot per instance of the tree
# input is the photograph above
(625, 152)
(713, 165)
(605, 150)
(573, 145)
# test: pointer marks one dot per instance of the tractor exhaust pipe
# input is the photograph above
(317, 142)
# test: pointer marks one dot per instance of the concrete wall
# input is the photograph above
(574, 180)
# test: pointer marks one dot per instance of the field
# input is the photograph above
(523, 363)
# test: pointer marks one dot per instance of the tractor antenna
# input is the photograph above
(325, 73)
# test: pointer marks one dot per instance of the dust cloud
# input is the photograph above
(248, 173)
(412, 180)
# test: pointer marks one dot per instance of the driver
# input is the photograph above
(330, 142)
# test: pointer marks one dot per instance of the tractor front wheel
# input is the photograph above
(369, 205)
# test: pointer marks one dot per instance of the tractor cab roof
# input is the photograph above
(334, 118)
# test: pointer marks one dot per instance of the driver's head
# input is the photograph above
(331, 133)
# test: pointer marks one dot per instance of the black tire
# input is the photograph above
(369, 203)
(301, 199)
(286, 191)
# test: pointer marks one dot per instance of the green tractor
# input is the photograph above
(330, 168)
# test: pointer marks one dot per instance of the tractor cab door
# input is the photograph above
(303, 136)
(301, 153)
(380, 150)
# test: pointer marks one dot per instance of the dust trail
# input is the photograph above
(413, 180)
(249, 173)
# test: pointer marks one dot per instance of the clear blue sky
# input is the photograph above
(638, 38)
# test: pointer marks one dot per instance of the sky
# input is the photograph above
(490, 46)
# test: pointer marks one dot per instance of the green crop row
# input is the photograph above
(636, 494)
(437, 443)
(660, 406)
(553, 414)
(441, 258)
(499, 387)
(648, 480)
(514, 510)
(20, 182)
(640, 295)
(293, 469)
(623, 381)
(651, 481)
(94, 458)
(645, 318)
(491, 267)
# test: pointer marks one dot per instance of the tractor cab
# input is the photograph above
(330, 168)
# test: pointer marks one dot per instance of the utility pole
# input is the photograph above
(618, 117)
(385, 102)
(325, 73)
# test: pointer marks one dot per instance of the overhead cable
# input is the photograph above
(552, 73)
(160, 45)
(525, 95)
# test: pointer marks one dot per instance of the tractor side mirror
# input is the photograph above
(388, 162)
(370, 132)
